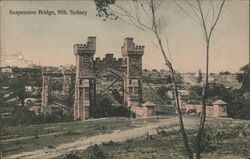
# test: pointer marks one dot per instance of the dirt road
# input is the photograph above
(116, 136)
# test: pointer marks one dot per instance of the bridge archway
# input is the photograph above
(114, 78)
(85, 88)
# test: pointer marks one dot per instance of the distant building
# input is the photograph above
(228, 80)
(6, 69)
(149, 108)
(183, 95)
(30, 89)
(217, 109)
(145, 110)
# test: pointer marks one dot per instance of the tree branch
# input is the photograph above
(188, 14)
(217, 18)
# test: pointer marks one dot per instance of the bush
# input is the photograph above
(207, 144)
(104, 108)
(22, 116)
(71, 155)
(96, 152)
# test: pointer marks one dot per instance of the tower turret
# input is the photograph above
(85, 79)
(132, 54)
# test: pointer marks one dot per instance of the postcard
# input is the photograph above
(127, 79)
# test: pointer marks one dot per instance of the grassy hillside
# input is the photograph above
(17, 139)
(223, 140)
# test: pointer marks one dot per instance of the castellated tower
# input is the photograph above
(85, 90)
(132, 54)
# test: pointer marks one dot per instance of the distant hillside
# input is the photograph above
(228, 80)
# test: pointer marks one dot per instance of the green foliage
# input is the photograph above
(18, 83)
(104, 108)
(17, 86)
(71, 155)
(219, 140)
(38, 136)
(117, 95)
(54, 117)
(103, 11)
(237, 104)
(178, 78)
(166, 80)
(207, 143)
(199, 78)
(57, 85)
(162, 92)
(244, 78)
(214, 92)
(96, 152)
(20, 116)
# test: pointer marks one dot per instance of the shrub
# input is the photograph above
(71, 155)
(207, 144)
(96, 152)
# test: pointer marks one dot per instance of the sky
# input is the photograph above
(49, 40)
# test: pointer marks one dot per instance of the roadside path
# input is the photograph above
(116, 136)
(30, 137)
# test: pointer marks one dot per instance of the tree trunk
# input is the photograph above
(169, 65)
(183, 132)
(203, 102)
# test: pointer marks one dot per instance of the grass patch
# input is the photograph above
(18, 139)
(220, 141)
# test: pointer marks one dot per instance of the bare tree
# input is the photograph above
(133, 15)
(203, 12)
(207, 18)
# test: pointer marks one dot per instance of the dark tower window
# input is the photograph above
(86, 93)
(130, 90)
(136, 90)
(130, 82)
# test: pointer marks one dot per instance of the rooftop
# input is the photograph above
(219, 102)
(148, 103)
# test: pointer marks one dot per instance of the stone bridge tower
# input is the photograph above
(67, 80)
(132, 54)
(45, 102)
(85, 90)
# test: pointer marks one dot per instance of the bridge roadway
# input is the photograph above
(73, 72)
(58, 72)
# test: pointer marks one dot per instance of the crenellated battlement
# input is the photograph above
(139, 48)
(88, 48)
(108, 59)
(129, 48)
